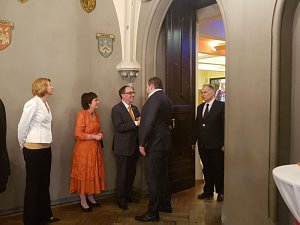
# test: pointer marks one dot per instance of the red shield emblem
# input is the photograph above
(5, 33)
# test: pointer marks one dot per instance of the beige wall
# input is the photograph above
(57, 39)
(295, 152)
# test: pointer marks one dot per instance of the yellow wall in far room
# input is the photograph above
(203, 78)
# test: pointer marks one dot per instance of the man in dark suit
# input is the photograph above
(209, 132)
(4, 161)
(155, 145)
(126, 120)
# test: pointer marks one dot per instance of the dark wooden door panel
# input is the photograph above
(180, 87)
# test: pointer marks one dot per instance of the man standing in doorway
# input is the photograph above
(209, 132)
(155, 145)
(126, 120)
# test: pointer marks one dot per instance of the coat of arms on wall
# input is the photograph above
(88, 5)
(105, 44)
(6, 28)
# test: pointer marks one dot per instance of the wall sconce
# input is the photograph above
(129, 74)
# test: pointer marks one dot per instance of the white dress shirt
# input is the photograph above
(35, 123)
(210, 103)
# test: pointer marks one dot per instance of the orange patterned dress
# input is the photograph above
(87, 176)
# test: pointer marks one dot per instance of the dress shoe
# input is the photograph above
(122, 205)
(220, 197)
(52, 220)
(148, 217)
(132, 200)
(91, 204)
(85, 209)
(205, 196)
(167, 209)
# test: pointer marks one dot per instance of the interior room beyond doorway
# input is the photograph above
(210, 59)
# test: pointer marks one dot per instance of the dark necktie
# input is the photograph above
(206, 111)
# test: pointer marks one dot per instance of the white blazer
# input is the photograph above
(35, 123)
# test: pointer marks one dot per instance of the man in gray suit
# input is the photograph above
(126, 120)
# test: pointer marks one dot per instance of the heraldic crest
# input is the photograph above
(88, 5)
(105, 44)
(6, 28)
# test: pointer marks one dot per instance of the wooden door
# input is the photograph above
(180, 87)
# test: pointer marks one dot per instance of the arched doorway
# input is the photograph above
(258, 111)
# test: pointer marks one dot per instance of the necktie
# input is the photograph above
(131, 113)
(206, 111)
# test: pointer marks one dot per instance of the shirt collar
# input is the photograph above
(154, 92)
(126, 105)
(210, 102)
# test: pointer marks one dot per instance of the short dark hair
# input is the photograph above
(122, 90)
(156, 82)
(86, 99)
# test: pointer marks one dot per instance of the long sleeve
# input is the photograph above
(24, 124)
(119, 123)
(80, 127)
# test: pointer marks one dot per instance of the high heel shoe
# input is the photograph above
(91, 204)
(85, 209)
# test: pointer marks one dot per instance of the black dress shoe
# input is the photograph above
(220, 197)
(122, 205)
(132, 200)
(205, 196)
(148, 217)
(165, 209)
(91, 204)
(85, 209)
(52, 220)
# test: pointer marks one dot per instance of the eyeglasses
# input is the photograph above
(129, 93)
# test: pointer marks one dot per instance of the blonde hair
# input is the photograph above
(39, 86)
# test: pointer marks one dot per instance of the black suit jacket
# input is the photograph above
(209, 131)
(154, 133)
(125, 131)
(4, 161)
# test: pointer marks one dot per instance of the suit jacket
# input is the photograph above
(209, 131)
(4, 161)
(125, 131)
(35, 122)
(154, 133)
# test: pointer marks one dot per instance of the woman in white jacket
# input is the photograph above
(35, 137)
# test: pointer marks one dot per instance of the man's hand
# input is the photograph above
(138, 121)
(223, 148)
(142, 151)
(194, 147)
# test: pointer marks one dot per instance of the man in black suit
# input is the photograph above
(4, 161)
(126, 120)
(155, 145)
(209, 132)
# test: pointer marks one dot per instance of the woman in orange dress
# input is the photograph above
(87, 176)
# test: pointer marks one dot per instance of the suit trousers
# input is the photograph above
(156, 170)
(126, 170)
(213, 169)
(37, 205)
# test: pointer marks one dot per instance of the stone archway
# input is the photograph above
(271, 24)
